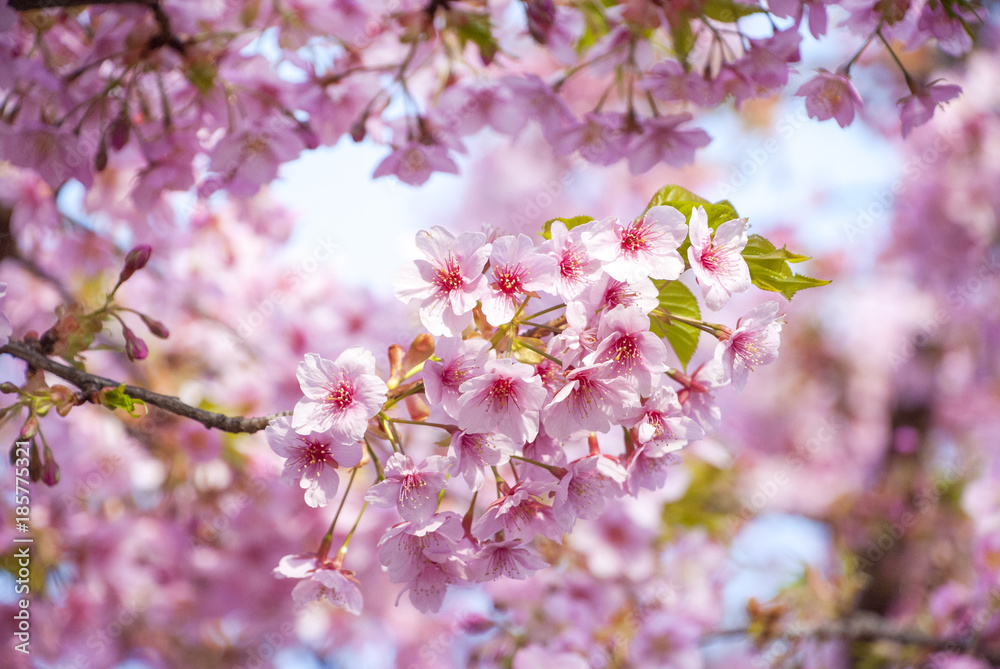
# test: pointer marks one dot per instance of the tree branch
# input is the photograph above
(91, 383)
(873, 628)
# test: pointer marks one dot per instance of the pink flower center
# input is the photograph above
(660, 428)
(745, 346)
(510, 280)
(454, 374)
(636, 237)
(617, 293)
(341, 395)
(449, 277)
(502, 392)
(626, 353)
(716, 260)
(314, 452)
(571, 264)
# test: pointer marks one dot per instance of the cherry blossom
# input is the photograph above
(406, 548)
(449, 283)
(918, 107)
(321, 581)
(646, 247)
(576, 269)
(588, 401)
(472, 452)
(507, 398)
(520, 513)
(754, 342)
(632, 350)
(516, 268)
(460, 360)
(340, 396)
(660, 424)
(829, 95)
(716, 259)
(509, 558)
(412, 490)
(312, 459)
(584, 489)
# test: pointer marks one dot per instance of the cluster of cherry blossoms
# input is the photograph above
(565, 406)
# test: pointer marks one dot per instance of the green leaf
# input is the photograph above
(770, 269)
(728, 11)
(671, 194)
(675, 298)
(569, 222)
(682, 36)
(117, 399)
(475, 28)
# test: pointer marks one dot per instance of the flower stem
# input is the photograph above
(324, 547)
(449, 428)
(539, 352)
(542, 312)
(338, 561)
(553, 469)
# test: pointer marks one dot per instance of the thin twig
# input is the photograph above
(91, 383)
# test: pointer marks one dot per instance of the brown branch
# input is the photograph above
(873, 628)
(90, 383)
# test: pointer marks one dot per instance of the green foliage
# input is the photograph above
(569, 222)
(475, 28)
(675, 298)
(116, 398)
(770, 268)
(728, 11)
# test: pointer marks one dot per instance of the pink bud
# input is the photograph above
(134, 261)
(118, 132)
(157, 328)
(50, 470)
(30, 427)
(135, 348)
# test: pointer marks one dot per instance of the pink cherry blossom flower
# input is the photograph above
(460, 361)
(472, 452)
(754, 342)
(506, 398)
(662, 141)
(584, 489)
(449, 283)
(716, 258)
(414, 163)
(608, 293)
(467, 109)
(669, 81)
(517, 268)
(535, 99)
(918, 108)
(321, 581)
(340, 396)
(406, 548)
(600, 138)
(249, 158)
(576, 269)
(829, 95)
(428, 588)
(312, 459)
(579, 338)
(412, 490)
(509, 558)
(660, 423)
(646, 247)
(589, 401)
(520, 513)
(696, 396)
(647, 471)
(633, 350)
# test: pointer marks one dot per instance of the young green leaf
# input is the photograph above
(569, 222)
(675, 298)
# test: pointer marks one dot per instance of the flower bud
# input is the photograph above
(157, 328)
(50, 470)
(30, 428)
(118, 132)
(34, 463)
(134, 261)
(7, 388)
(101, 157)
(135, 348)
